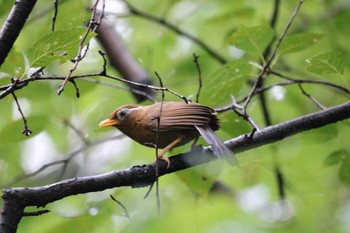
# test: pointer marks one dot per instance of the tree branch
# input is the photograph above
(16, 199)
(13, 25)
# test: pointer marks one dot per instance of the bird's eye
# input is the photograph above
(122, 113)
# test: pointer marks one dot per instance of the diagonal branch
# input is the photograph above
(16, 199)
(13, 26)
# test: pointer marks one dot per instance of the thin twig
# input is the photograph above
(77, 93)
(61, 161)
(121, 205)
(175, 29)
(273, 21)
(269, 61)
(104, 73)
(54, 16)
(281, 84)
(104, 66)
(195, 60)
(147, 86)
(7, 89)
(280, 183)
(238, 110)
(35, 213)
(148, 191)
(82, 51)
(26, 131)
(127, 88)
(311, 97)
(284, 32)
(19, 83)
(310, 81)
(157, 141)
(278, 172)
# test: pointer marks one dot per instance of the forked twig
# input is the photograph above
(82, 51)
(266, 67)
(200, 84)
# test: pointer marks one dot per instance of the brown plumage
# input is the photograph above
(179, 124)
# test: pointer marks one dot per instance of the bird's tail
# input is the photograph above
(218, 146)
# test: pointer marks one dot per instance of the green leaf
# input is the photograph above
(327, 63)
(59, 45)
(252, 39)
(226, 81)
(336, 157)
(298, 42)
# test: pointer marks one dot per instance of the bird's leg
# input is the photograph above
(167, 148)
(194, 144)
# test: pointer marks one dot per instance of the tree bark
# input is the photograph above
(13, 25)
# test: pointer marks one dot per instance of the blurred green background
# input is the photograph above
(315, 164)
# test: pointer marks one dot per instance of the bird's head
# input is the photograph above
(119, 116)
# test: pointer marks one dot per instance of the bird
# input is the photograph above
(167, 125)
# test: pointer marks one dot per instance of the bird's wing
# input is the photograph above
(175, 116)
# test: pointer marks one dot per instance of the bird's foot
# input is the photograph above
(166, 160)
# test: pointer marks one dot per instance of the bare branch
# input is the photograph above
(238, 110)
(310, 81)
(195, 60)
(26, 131)
(93, 25)
(37, 76)
(13, 25)
(311, 97)
(268, 63)
(54, 16)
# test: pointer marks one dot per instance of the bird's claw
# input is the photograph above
(166, 160)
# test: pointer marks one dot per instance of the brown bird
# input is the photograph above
(178, 124)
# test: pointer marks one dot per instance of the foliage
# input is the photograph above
(315, 164)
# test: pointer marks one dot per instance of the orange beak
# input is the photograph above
(107, 123)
